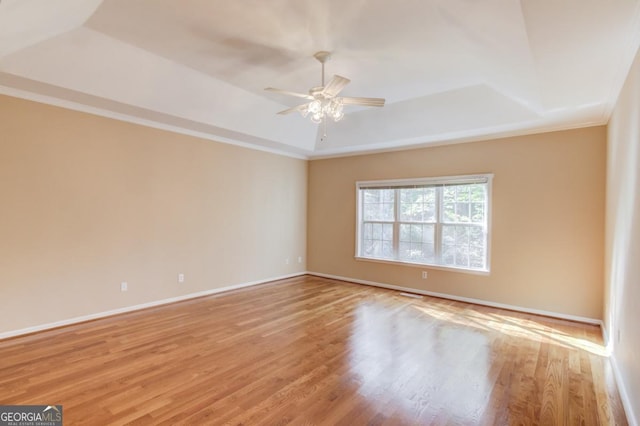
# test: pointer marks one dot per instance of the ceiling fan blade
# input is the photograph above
(373, 102)
(294, 109)
(286, 92)
(334, 86)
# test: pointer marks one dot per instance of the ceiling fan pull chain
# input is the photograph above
(324, 130)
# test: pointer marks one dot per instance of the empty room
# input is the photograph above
(319, 212)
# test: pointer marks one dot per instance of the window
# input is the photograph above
(433, 221)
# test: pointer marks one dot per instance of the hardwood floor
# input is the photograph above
(314, 351)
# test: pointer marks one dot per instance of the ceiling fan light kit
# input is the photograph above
(324, 101)
(318, 109)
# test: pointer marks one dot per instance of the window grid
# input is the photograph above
(439, 225)
(377, 239)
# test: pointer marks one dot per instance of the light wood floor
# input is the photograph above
(316, 351)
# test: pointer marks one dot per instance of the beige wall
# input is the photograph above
(548, 218)
(622, 271)
(88, 202)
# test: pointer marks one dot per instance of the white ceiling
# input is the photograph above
(450, 70)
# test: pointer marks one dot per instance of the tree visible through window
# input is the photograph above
(433, 221)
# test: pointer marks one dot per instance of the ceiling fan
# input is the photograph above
(323, 101)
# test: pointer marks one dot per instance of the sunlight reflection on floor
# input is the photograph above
(512, 326)
(437, 358)
(399, 362)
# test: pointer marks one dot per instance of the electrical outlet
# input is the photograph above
(124, 286)
(180, 278)
(286, 261)
(299, 259)
(618, 335)
(424, 275)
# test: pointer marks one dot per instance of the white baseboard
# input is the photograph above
(126, 309)
(90, 317)
(576, 318)
(624, 396)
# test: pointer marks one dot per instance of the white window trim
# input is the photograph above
(484, 177)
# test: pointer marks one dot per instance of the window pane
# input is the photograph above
(416, 242)
(416, 233)
(477, 192)
(456, 206)
(448, 234)
(448, 255)
(416, 250)
(377, 240)
(429, 252)
(387, 249)
(405, 232)
(377, 248)
(368, 247)
(449, 212)
(476, 236)
(387, 212)
(449, 194)
(462, 256)
(428, 233)
(462, 235)
(369, 212)
(412, 252)
(404, 251)
(372, 196)
(417, 204)
(367, 232)
(476, 262)
(477, 212)
(462, 212)
(377, 231)
(378, 211)
(378, 204)
(464, 245)
(462, 192)
(387, 232)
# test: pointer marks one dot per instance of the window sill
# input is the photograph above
(484, 272)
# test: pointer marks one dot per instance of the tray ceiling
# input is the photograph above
(450, 70)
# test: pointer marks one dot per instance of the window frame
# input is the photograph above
(486, 178)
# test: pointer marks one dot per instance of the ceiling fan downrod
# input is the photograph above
(322, 57)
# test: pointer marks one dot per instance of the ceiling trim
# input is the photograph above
(507, 133)
(334, 153)
(101, 112)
